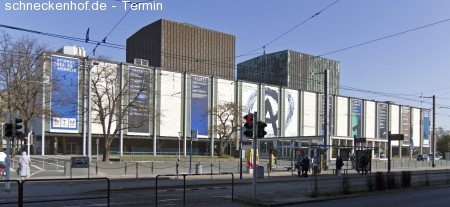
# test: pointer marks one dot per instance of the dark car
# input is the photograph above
(424, 157)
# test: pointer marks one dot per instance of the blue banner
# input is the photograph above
(199, 105)
(330, 115)
(64, 98)
(139, 87)
(426, 128)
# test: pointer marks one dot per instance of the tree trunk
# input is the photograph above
(106, 149)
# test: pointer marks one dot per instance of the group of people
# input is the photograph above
(363, 164)
(303, 165)
(24, 165)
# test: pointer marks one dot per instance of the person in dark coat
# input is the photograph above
(363, 163)
(339, 164)
(305, 166)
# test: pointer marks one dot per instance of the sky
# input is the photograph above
(406, 54)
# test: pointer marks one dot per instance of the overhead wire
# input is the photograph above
(292, 29)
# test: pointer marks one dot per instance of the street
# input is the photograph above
(404, 198)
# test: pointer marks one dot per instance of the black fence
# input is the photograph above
(54, 192)
(184, 183)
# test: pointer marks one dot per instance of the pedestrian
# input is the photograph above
(298, 165)
(305, 166)
(24, 165)
(2, 163)
(363, 162)
(353, 160)
(339, 164)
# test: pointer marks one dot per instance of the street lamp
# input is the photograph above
(325, 73)
(89, 106)
(433, 135)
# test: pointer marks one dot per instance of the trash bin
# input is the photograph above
(198, 168)
(260, 172)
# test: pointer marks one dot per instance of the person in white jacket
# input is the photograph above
(24, 162)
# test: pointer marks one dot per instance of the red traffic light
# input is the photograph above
(248, 118)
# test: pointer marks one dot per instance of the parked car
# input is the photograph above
(423, 157)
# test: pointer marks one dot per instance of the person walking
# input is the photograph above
(298, 165)
(305, 166)
(363, 162)
(24, 162)
(339, 164)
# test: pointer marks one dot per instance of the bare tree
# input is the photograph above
(227, 124)
(21, 78)
(121, 100)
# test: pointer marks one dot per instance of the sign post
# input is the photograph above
(194, 137)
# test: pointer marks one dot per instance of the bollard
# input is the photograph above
(137, 172)
(56, 165)
(125, 168)
(211, 170)
(152, 168)
(219, 167)
(96, 168)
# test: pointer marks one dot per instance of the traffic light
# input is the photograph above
(18, 127)
(261, 130)
(8, 130)
(248, 125)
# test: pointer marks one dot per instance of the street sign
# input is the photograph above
(79, 162)
(194, 134)
(399, 137)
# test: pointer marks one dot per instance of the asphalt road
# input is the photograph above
(405, 198)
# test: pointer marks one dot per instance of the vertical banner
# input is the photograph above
(356, 117)
(330, 115)
(406, 124)
(426, 128)
(382, 120)
(139, 87)
(249, 98)
(199, 105)
(271, 111)
(64, 94)
(291, 113)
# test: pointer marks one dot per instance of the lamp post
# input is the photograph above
(89, 106)
(325, 73)
(433, 135)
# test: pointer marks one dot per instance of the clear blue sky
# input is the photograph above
(412, 63)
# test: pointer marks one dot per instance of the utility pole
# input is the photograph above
(434, 132)
(326, 127)
(255, 140)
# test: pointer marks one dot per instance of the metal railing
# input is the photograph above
(184, 184)
(26, 195)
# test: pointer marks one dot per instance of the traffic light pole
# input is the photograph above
(8, 155)
(255, 140)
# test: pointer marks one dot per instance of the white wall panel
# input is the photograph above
(394, 121)
(171, 103)
(309, 114)
(225, 91)
(291, 113)
(96, 126)
(369, 119)
(342, 117)
(415, 127)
